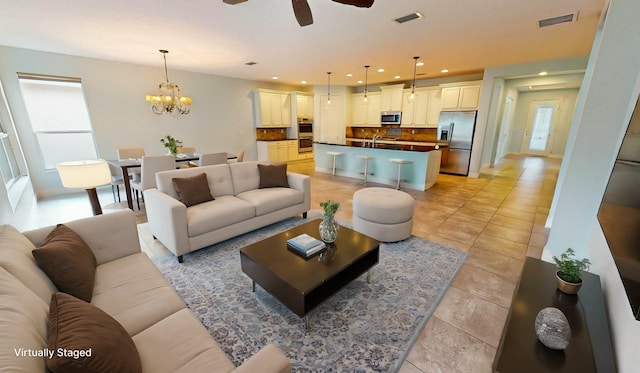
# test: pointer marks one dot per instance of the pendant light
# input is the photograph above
(365, 99)
(412, 96)
(328, 87)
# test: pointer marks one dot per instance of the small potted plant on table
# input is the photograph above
(171, 144)
(328, 227)
(569, 270)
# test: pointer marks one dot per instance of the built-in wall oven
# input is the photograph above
(305, 136)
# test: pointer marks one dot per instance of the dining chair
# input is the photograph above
(186, 150)
(131, 152)
(209, 159)
(152, 164)
(116, 181)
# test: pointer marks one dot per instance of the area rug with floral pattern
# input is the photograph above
(365, 327)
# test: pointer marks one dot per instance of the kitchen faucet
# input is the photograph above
(373, 144)
(364, 141)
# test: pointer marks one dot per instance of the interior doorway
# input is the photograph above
(539, 130)
(505, 129)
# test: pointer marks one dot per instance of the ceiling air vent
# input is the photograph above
(409, 17)
(572, 17)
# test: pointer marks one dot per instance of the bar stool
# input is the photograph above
(334, 154)
(366, 164)
(400, 162)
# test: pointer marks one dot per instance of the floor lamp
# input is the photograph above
(87, 175)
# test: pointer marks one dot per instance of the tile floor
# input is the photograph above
(498, 219)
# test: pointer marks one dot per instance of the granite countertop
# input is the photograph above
(403, 146)
(277, 140)
(399, 142)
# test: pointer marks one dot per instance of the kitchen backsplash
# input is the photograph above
(401, 133)
(271, 134)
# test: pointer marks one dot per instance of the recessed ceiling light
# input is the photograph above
(444, 71)
(274, 77)
(542, 73)
(349, 75)
(360, 82)
(304, 82)
(380, 70)
(396, 77)
(420, 63)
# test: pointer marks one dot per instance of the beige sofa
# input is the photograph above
(128, 287)
(239, 206)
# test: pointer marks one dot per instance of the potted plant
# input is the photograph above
(171, 144)
(569, 271)
(328, 227)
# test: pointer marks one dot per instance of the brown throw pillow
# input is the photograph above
(193, 190)
(83, 338)
(68, 261)
(273, 175)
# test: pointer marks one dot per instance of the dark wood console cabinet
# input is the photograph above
(590, 349)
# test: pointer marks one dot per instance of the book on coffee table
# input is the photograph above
(305, 245)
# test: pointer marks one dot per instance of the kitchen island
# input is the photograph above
(419, 175)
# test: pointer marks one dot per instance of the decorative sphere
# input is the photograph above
(552, 328)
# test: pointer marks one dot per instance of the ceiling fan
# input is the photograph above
(302, 10)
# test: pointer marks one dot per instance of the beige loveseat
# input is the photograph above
(128, 287)
(239, 206)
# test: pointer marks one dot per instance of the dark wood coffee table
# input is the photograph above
(303, 284)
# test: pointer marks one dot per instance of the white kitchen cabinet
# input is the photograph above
(462, 97)
(304, 105)
(271, 108)
(391, 97)
(292, 150)
(278, 151)
(365, 115)
(424, 111)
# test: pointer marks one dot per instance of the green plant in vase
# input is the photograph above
(171, 144)
(328, 227)
(569, 271)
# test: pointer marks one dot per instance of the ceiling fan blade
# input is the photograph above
(358, 3)
(302, 11)
(233, 2)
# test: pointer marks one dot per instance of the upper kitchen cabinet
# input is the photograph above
(304, 105)
(391, 99)
(271, 108)
(366, 114)
(424, 111)
(460, 96)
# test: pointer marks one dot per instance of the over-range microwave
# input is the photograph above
(390, 117)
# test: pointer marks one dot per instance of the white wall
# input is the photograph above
(487, 105)
(221, 116)
(562, 124)
(610, 90)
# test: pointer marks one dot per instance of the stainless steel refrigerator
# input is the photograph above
(457, 128)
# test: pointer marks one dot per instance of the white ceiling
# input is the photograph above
(209, 36)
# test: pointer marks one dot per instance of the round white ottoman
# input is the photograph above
(382, 213)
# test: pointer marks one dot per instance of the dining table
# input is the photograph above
(126, 164)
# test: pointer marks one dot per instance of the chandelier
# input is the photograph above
(169, 99)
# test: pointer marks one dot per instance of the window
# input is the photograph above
(9, 168)
(541, 126)
(59, 118)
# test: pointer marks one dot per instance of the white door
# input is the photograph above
(540, 121)
(505, 129)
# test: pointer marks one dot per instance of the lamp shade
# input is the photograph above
(84, 174)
